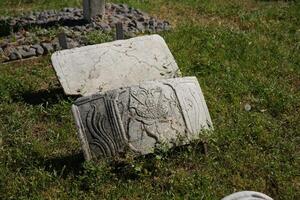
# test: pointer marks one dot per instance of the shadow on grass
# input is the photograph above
(126, 170)
(65, 165)
(49, 97)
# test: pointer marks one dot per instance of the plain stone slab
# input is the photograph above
(162, 113)
(102, 67)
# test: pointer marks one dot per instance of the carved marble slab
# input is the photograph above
(139, 118)
(102, 67)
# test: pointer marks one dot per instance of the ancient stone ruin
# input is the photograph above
(133, 97)
(168, 112)
(31, 34)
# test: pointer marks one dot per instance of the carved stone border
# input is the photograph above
(138, 118)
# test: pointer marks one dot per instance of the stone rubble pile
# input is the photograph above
(21, 42)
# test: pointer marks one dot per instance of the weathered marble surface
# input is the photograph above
(139, 118)
(102, 67)
(247, 195)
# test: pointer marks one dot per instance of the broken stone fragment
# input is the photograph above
(102, 67)
(14, 54)
(26, 51)
(162, 113)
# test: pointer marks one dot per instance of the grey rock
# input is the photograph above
(129, 16)
(137, 11)
(80, 28)
(161, 113)
(15, 55)
(132, 24)
(47, 47)
(140, 26)
(134, 21)
(141, 19)
(130, 34)
(152, 23)
(115, 12)
(78, 13)
(166, 26)
(39, 49)
(31, 53)
(105, 27)
(159, 26)
(1, 51)
(113, 20)
(124, 7)
(106, 66)
(27, 52)
(73, 44)
(25, 48)
(247, 107)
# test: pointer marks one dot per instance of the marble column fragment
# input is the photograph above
(160, 113)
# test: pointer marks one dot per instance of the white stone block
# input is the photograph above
(102, 67)
(166, 112)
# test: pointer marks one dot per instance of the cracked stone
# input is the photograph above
(90, 69)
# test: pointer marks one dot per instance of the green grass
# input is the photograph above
(241, 52)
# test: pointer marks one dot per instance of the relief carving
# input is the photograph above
(97, 125)
(169, 112)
